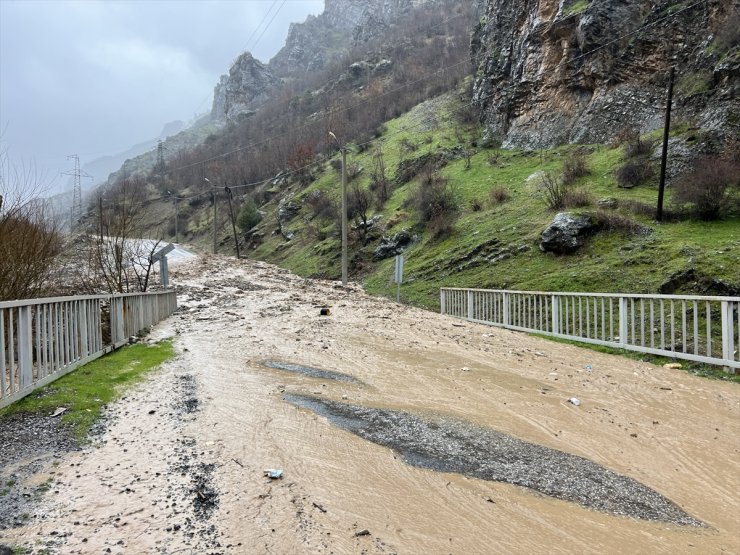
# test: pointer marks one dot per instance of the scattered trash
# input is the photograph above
(362, 533)
(574, 401)
(589, 367)
(325, 312)
(465, 369)
(672, 366)
(59, 411)
(273, 473)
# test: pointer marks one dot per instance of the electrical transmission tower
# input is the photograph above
(78, 174)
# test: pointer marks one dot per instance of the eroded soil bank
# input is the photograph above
(180, 468)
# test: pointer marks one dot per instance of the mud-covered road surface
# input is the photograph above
(396, 430)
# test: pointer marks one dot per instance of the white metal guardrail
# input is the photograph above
(41, 340)
(698, 328)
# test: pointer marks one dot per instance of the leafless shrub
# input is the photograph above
(379, 184)
(359, 202)
(498, 195)
(728, 35)
(649, 210)
(435, 202)
(30, 238)
(633, 172)
(115, 255)
(574, 167)
(711, 189)
(613, 221)
(554, 190)
(353, 172)
(639, 147)
(321, 205)
(577, 198)
(494, 158)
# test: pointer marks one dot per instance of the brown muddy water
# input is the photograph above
(180, 465)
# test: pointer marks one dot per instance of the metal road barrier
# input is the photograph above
(697, 328)
(41, 340)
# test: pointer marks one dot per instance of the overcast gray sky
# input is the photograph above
(95, 77)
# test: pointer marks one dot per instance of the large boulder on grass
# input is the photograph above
(393, 245)
(567, 232)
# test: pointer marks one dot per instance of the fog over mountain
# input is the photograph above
(95, 78)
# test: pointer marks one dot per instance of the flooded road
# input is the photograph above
(181, 466)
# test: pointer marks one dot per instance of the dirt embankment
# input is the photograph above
(180, 468)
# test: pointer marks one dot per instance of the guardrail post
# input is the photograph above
(25, 346)
(116, 319)
(442, 301)
(728, 348)
(82, 327)
(470, 305)
(623, 321)
(506, 308)
(555, 314)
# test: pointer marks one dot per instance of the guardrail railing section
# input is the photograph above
(700, 328)
(43, 339)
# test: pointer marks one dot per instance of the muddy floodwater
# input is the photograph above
(396, 431)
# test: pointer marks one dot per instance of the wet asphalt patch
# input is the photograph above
(448, 445)
(313, 372)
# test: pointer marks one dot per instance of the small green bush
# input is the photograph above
(249, 216)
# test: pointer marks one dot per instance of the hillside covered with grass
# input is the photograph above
(495, 207)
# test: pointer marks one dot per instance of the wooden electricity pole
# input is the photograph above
(664, 157)
(233, 224)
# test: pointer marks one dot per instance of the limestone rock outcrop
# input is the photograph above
(550, 72)
(248, 84)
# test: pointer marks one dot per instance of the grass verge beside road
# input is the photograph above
(85, 392)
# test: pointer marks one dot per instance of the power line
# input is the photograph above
(359, 104)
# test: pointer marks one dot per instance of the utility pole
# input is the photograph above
(664, 157)
(344, 216)
(177, 215)
(78, 174)
(213, 196)
(343, 150)
(233, 224)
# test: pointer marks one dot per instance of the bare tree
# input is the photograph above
(117, 249)
(30, 240)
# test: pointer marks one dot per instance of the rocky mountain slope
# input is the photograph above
(574, 88)
(552, 72)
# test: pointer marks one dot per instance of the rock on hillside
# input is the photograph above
(248, 85)
(561, 71)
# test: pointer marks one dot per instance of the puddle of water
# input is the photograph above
(313, 372)
(460, 447)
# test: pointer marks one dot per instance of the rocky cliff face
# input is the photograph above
(248, 84)
(312, 44)
(560, 71)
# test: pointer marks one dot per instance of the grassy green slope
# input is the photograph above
(610, 262)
